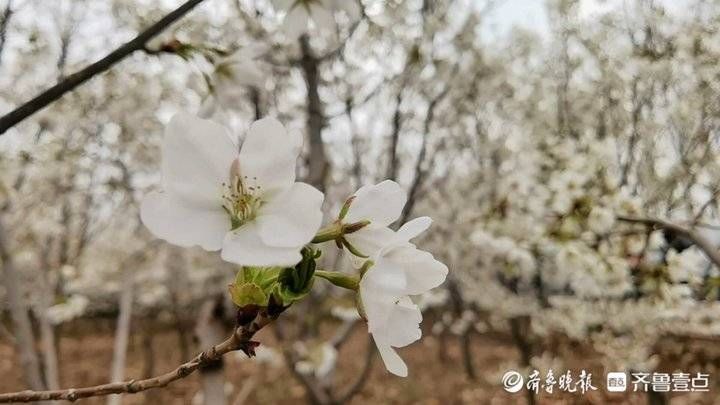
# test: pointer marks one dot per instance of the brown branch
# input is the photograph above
(710, 250)
(239, 340)
(420, 170)
(318, 164)
(71, 82)
(4, 23)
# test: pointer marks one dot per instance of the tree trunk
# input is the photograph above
(22, 327)
(210, 330)
(122, 336)
(48, 337)
(520, 329)
(318, 165)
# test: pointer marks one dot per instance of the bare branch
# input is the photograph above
(4, 23)
(420, 169)
(710, 250)
(71, 82)
(318, 165)
(239, 340)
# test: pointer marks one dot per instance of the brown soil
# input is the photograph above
(436, 376)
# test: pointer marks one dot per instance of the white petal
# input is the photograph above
(371, 239)
(403, 324)
(381, 204)
(385, 280)
(413, 228)
(268, 156)
(167, 218)
(243, 246)
(421, 270)
(323, 18)
(296, 21)
(292, 217)
(196, 159)
(393, 362)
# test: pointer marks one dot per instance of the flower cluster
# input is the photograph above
(245, 202)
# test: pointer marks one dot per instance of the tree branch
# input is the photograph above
(71, 82)
(318, 164)
(239, 340)
(710, 250)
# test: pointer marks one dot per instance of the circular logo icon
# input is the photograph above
(512, 381)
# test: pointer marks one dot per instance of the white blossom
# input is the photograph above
(247, 204)
(299, 14)
(399, 270)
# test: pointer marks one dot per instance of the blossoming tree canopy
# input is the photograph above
(300, 13)
(248, 205)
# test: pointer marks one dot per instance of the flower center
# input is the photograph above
(242, 200)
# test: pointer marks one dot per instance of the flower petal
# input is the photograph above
(196, 159)
(168, 218)
(422, 271)
(243, 246)
(393, 362)
(268, 156)
(381, 204)
(413, 228)
(403, 325)
(292, 217)
(371, 239)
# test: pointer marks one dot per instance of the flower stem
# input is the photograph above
(328, 233)
(340, 279)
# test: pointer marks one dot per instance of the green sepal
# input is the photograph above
(248, 294)
(294, 283)
(253, 285)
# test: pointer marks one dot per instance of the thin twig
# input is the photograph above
(74, 80)
(239, 340)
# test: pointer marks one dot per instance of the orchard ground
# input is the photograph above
(437, 376)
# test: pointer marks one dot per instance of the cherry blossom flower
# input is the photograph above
(398, 271)
(247, 204)
(299, 13)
